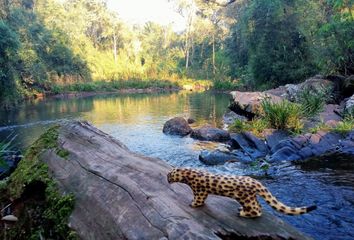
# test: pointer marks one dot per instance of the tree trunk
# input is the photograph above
(214, 68)
(122, 195)
(115, 48)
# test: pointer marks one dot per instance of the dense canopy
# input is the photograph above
(254, 44)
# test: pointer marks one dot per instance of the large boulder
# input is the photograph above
(122, 195)
(177, 126)
(249, 103)
(208, 133)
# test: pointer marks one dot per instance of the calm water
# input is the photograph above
(137, 120)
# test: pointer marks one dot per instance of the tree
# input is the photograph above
(269, 45)
(9, 43)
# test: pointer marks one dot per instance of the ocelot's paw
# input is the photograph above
(194, 205)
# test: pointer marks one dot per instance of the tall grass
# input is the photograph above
(256, 126)
(345, 126)
(313, 102)
(112, 85)
(283, 115)
(226, 85)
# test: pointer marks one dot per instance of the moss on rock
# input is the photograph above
(52, 212)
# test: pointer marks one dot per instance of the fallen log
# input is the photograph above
(123, 195)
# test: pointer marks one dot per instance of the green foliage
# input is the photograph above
(238, 126)
(320, 127)
(9, 44)
(277, 42)
(113, 85)
(261, 43)
(283, 115)
(313, 102)
(267, 43)
(335, 35)
(256, 126)
(345, 126)
(3, 185)
(226, 85)
(25, 174)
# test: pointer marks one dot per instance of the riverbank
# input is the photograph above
(84, 89)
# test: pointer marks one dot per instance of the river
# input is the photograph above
(137, 121)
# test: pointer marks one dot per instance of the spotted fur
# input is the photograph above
(241, 188)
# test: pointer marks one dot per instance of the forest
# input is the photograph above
(46, 45)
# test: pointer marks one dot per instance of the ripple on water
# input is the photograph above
(330, 189)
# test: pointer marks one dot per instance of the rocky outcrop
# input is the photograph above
(248, 104)
(208, 133)
(122, 195)
(303, 147)
(314, 84)
(279, 146)
(273, 137)
(177, 126)
(249, 144)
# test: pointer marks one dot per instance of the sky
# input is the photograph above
(142, 11)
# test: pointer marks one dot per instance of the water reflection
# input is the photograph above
(130, 110)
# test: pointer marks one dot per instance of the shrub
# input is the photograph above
(255, 126)
(226, 85)
(238, 126)
(284, 115)
(312, 102)
(345, 126)
(320, 127)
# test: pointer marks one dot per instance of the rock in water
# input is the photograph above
(177, 126)
(216, 157)
(209, 133)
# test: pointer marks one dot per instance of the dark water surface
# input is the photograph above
(137, 120)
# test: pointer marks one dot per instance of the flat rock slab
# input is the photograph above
(123, 195)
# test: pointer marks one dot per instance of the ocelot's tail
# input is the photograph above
(274, 203)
